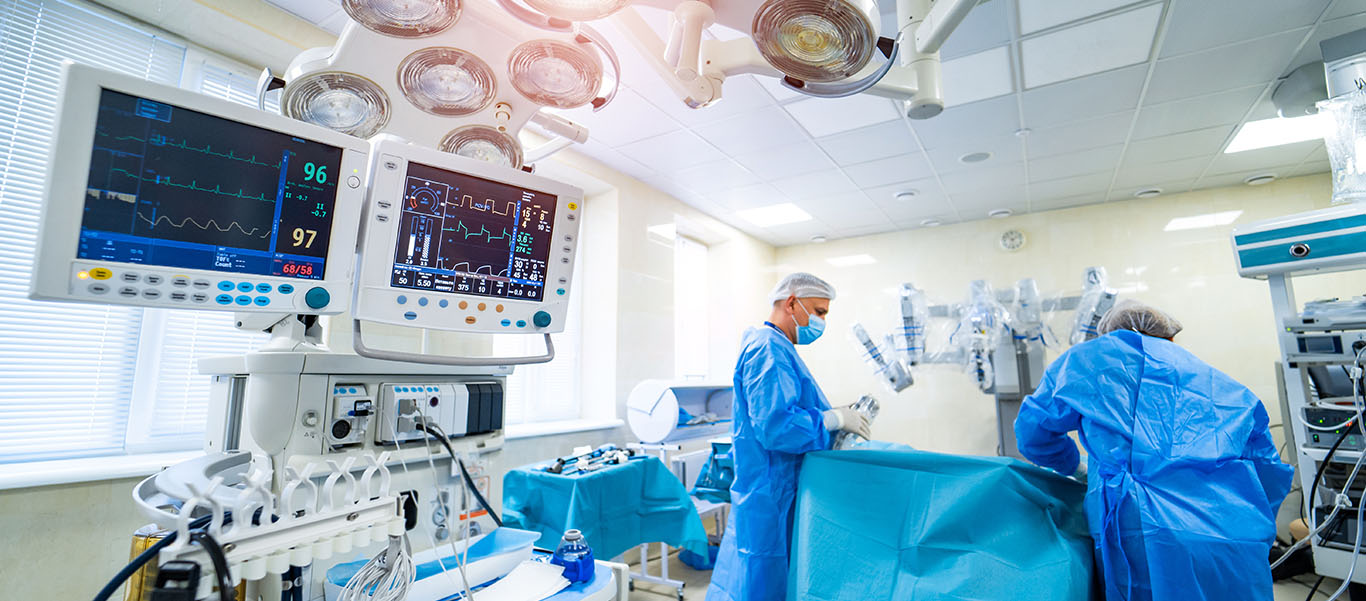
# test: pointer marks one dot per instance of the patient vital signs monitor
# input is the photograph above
(452, 243)
(162, 197)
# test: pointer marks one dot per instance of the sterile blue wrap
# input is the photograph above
(1184, 478)
(912, 525)
(616, 507)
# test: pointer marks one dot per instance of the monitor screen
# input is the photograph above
(174, 187)
(462, 234)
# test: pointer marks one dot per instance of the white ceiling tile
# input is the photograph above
(672, 151)
(1201, 142)
(1074, 164)
(818, 184)
(868, 143)
(1079, 135)
(1093, 96)
(1205, 24)
(978, 76)
(1104, 44)
(978, 120)
(1344, 8)
(628, 119)
(1148, 174)
(842, 211)
(985, 27)
(1236, 66)
(920, 209)
(1263, 158)
(1037, 15)
(1236, 179)
(925, 190)
(1003, 149)
(1066, 202)
(752, 131)
(747, 197)
(801, 232)
(977, 207)
(1224, 108)
(1330, 29)
(1316, 162)
(827, 116)
(775, 88)
(612, 158)
(1092, 183)
(1168, 187)
(786, 160)
(715, 176)
(892, 169)
(994, 178)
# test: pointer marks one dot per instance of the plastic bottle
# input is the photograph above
(574, 554)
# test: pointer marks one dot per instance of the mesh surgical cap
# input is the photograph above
(1130, 314)
(802, 285)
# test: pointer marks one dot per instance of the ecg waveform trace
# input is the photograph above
(464, 234)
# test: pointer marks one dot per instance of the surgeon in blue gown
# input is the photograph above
(780, 414)
(1183, 479)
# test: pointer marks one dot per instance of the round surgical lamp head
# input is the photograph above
(446, 81)
(554, 73)
(578, 10)
(485, 144)
(817, 40)
(339, 101)
(404, 18)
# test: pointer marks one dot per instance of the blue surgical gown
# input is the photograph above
(1183, 479)
(777, 419)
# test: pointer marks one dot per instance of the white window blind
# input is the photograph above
(66, 370)
(237, 85)
(690, 308)
(551, 391)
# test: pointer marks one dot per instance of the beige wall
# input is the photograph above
(1189, 273)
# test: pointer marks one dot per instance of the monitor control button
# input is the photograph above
(353, 181)
(317, 298)
(154, 279)
(223, 299)
(128, 292)
(98, 288)
(541, 319)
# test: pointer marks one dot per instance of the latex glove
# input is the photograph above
(1080, 474)
(848, 420)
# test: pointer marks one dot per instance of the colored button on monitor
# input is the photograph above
(223, 299)
(101, 273)
(317, 298)
(422, 302)
(243, 300)
(285, 288)
(402, 300)
(507, 322)
(521, 323)
(245, 287)
(261, 301)
(226, 286)
(263, 288)
(410, 316)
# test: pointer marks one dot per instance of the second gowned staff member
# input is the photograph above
(780, 414)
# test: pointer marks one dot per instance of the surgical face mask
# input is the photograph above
(815, 326)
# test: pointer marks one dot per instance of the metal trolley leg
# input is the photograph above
(644, 574)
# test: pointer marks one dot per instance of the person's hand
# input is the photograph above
(848, 420)
(1080, 474)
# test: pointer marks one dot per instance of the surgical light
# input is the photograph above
(817, 40)
(446, 81)
(485, 144)
(404, 18)
(339, 101)
(553, 73)
(578, 10)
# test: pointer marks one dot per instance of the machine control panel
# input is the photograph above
(459, 409)
(1328, 347)
(1324, 439)
(353, 409)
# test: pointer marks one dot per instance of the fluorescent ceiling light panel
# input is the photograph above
(1201, 221)
(1038, 15)
(851, 260)
(826, 116)
(1101, 45)
(977, 77)
(779, 214)
(1278, 131)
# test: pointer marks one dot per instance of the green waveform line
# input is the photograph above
(213, 223)
(184, 145)
(193, 185)
(483, 231)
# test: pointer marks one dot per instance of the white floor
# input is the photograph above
(696, 587)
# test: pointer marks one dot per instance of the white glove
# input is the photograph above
(848, 420)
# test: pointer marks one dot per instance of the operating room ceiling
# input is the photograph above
(1075, 102)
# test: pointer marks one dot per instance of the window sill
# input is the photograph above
(568, 426)
(88, 469)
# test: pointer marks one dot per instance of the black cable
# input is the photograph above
(141, 560)
(469, 482)
(1314, 490)
(1314, 590)
(226, 591)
